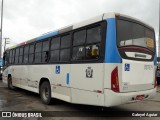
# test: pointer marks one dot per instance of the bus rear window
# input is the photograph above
(134, 37)
(129, 33)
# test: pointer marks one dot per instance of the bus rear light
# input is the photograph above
(114, 80)
(155, 80)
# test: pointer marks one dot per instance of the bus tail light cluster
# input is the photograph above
(155, 80)
(114, 80)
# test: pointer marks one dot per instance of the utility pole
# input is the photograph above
(1, 29)
(6, 41)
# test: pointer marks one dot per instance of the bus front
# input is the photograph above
(132, 76)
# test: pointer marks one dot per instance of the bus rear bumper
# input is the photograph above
(113, 99)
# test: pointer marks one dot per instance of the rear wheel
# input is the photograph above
(10, 86)
(45, 93)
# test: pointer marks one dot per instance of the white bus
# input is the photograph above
(104, 61)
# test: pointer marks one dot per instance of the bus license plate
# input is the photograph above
(140, 97)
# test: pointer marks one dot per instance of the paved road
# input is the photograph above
(21, 100)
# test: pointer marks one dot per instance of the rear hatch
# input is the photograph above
(136, 45)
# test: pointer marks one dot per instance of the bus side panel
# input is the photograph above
(5, 75)
(87, 76)
(87, 97)
(15, 78)
(87, 83)
(19, 76)
(61, 82)
(57, 75)
(61, 92)
(28, 77)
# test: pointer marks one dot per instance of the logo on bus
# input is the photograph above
(127, 67)
(89, 72)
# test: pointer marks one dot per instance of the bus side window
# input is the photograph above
(16, 55)
(79, 38)
(45, 51)
(78, 53)
(10, 57)
(7, 58)
(54, 51)
(93, 39)
(20, 55)
(13, 56)
(65, 55)
(46, 56)
(54, 56)
(31, 53)
(65, 48)
(79, 45)
(25, 57)
(92, 52)
(94, 35)
(38, 54)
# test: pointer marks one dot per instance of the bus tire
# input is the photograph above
(45, 93)
(10, 86)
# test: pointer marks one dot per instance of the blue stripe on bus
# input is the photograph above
(67, 79)
(155, 59)
(46, 36)
(111, 52)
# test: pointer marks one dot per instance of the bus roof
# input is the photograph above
(77, 25)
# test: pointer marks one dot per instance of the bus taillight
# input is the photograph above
(114, 80)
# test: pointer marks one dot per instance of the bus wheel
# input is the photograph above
(10, 86)
(45, 93)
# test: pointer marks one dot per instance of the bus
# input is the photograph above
(107, 60)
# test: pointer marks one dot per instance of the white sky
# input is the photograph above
(27, 19)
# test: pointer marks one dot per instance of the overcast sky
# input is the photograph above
(27, 19)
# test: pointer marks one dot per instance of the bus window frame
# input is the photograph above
(43, 51)
(60, 36)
